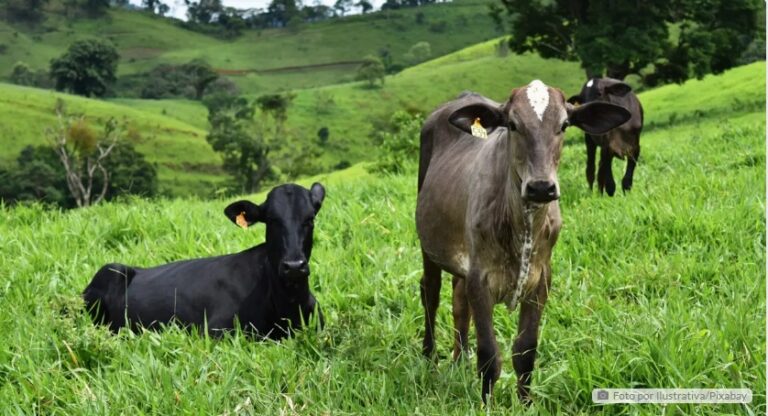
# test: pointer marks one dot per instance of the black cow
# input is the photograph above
(621, 142)
(265, 288)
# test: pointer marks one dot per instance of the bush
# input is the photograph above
(371, 70)
(40, 176)
(22, 74)
(439, 26)
(399, 147)
(191, 80)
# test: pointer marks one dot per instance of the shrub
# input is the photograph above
(399, 147)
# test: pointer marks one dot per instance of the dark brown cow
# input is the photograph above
(487, 213)
(621, 142)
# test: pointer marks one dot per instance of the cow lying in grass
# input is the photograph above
(264, 288)
(487, 213)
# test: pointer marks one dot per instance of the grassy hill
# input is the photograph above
(663, 287)
(260, 60)
(355, 109)
(186, 163)
(174, 130)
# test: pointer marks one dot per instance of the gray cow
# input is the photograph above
(621, 142)
(487, 213)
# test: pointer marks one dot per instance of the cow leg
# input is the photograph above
(524, 349)
(461, 317)
(430, 298)
(591, 150)
(488, 357)
(626, 182)
(604, 173)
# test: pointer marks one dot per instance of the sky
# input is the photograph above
(179, 11)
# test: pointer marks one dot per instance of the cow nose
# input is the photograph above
(294, 265)
(541, 191)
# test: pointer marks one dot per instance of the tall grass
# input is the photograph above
(663, 287)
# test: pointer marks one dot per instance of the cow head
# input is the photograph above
(599, 89)
(289, 213)
(535, 117)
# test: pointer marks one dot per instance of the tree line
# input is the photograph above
(660, 41)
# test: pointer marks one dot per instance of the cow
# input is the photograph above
(487, 213)
(265, 288)
(621, 142)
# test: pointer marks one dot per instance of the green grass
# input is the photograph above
(186, 163)
(145, 41)
(664, 287)
(356, 109)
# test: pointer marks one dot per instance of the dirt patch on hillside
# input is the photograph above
(298, 68)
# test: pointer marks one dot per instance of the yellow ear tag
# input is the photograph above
(478, 130)
(240, 220)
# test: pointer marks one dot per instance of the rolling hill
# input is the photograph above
(174, 130)
(186, 163)
(258, 61)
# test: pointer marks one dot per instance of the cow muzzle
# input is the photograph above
(540, 191)
(294, 269)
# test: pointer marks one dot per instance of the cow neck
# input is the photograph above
(527, 218)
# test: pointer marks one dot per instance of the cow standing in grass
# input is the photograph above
(487, 213)
(265, 288)
(621, 142)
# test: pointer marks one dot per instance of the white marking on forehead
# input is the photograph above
(538, 97)
(589, 84)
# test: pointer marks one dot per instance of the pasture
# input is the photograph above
(663, 287)
(174, 131)
(145, 41)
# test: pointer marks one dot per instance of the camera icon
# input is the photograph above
(602, 395)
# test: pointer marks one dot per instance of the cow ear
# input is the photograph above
(316, 195)
(617, 88)
(489, 117)
(598, 117)
(243, 213)
(575, 100)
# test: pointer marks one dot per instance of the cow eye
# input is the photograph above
(512, 126)
(310, 222)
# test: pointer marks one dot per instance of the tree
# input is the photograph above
(202, 75)
(322, 135)
(282, 11)
(276, 105)
(88, 68)
(391, 5)
(30, 11)
(419, 52)
(365, 6)
(343, 6)
(203, 11)
(22, 74)
(371, 70)
(37, 176)
(82, 154)
(621, 38)
(155, 6)
(399, 143)
(244, 144)
(95, 7)
(129, 172)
